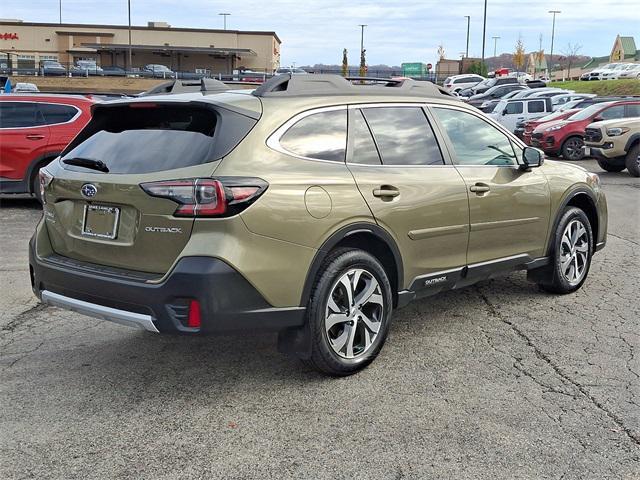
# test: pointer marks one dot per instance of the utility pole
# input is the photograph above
(495, 45)
(60, 10)
(225, 15)
(129, 50)
(468, 29)
(484, 29)
(553, 32)
(362, 37)
(362, 72)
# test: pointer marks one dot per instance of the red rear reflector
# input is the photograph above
(194, 320)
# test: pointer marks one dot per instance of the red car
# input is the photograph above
(531, 125)
(566, 137)
(34, 129)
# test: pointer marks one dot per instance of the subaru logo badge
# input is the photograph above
(88, 190)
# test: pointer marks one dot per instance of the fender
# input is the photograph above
(633, 139)
(337, 237)
(561, 206)
(38, 163)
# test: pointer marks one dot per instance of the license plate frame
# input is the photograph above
(111, 233)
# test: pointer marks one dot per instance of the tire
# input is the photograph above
(572, 148)
(350, 345)
(570, 256)
(611, 167)
(632, 161)
(35, 185)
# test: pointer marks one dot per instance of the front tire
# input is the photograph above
(572, 148)
(349, 312)
(632, 161)
(571, 254)
(611, 167)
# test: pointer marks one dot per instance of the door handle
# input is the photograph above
(35, 136)
(480, 188)
(386, 191)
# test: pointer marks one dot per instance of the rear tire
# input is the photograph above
(349, 312)
(572, 148)
(571, 253)
(632, 161)
(611, 167)
(35, 186)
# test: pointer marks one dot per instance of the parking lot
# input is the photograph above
(494, 381)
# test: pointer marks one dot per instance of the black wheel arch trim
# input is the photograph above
(336, 238)
(38, 163)
(570, 195)
(631, 141)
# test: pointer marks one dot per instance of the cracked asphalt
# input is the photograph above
(495, 381)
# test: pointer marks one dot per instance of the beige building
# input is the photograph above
(25, 45)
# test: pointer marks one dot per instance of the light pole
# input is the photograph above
(362, 62)
(129, 50)
(553, 32)
(484, 29)
(225, 15)
(468, 29)
(60, 10)
(495, 45)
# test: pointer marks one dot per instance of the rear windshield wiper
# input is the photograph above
(87, 163)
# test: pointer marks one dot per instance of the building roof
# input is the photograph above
(137, 27)
(123, 47)
(628, 46)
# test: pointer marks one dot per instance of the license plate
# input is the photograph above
(100, 221)
(587, 151)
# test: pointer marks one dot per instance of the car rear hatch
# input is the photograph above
(103, 204)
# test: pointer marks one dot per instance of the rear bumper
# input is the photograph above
(228, 302)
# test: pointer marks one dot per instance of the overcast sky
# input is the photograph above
(314, 31)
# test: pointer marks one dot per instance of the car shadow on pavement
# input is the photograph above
(19, 201)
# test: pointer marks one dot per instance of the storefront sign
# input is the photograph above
(8, 36)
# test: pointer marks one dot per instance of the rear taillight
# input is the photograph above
(44, 179)
(208, 197)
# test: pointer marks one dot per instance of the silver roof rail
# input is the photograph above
(205, 85)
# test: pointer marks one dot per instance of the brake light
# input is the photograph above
(208, 197)
(194, 319)
(44, 180)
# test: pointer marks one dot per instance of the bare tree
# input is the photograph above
(570, 54)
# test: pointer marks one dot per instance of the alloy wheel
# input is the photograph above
(573, 147)
(574, 252)
(354, 313)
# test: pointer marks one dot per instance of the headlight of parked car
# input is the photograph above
(616, 131)
(553, 128)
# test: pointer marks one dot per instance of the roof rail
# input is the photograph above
(205, 85)
(288, 85)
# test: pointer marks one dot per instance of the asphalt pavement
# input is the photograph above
(498, 381)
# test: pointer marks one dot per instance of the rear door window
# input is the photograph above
(143, 138)
(536, 106)
(633, 110)
(19, 115)
(403, 136)
(53, 113)
(362, 149)
(616, 111)
(321, 136)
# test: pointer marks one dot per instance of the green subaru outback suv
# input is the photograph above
(313, 206)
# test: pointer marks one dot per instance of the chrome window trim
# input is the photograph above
(73, 119)
(273, 141)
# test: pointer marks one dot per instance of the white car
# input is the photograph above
(522, 77)
(597, 73)
(25, 87)
(557, 101)
(631, 70)
(459, 82)
(510, 112)
(291, 70)
(614, 72)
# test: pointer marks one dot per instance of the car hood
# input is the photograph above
(617, 122)
(552, 123)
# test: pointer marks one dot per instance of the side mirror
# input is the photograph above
(598, 119)
(504, 112)
(531, 158)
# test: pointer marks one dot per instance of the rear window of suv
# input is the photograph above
(143, 138)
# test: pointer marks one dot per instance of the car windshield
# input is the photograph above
(589, 111)
(552, 116)
(500, 106)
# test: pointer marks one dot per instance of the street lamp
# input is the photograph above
(129, 50)
(495, 45)
(484, 29)
(362, 63)
(468, 28)
(225, 15)
(60, 10)
(553, 32)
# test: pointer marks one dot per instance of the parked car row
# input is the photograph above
(613, 71)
